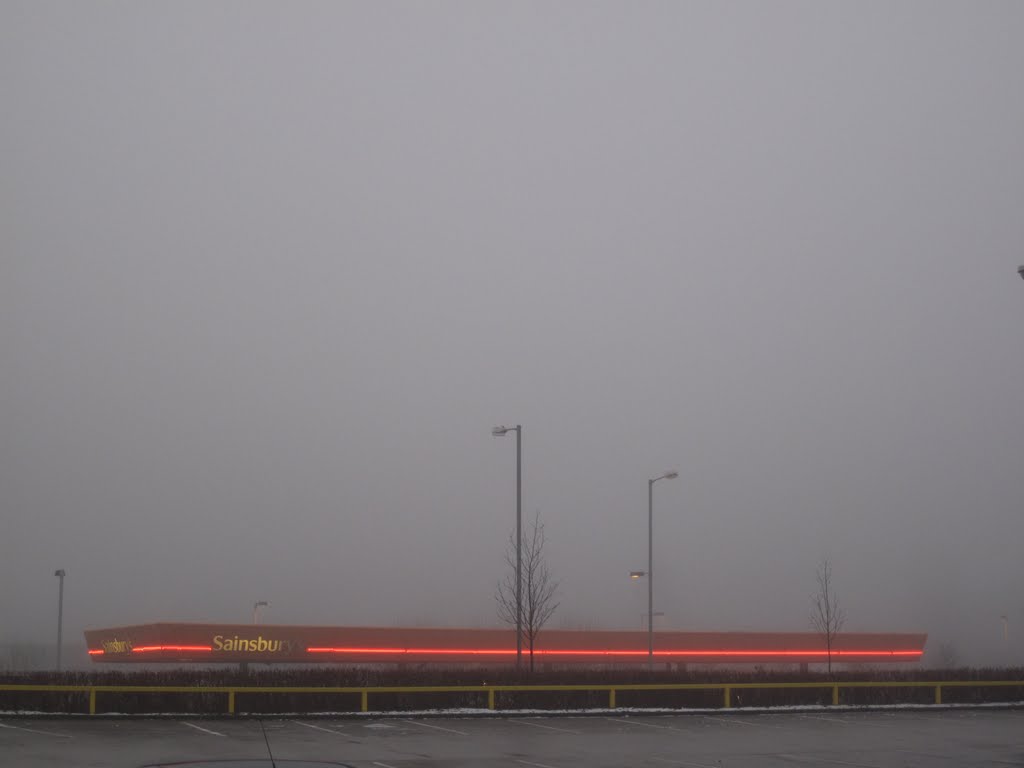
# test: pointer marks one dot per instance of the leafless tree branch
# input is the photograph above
(538, 587)
(827, 616)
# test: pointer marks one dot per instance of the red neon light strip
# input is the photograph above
(437, 651)
(550, 652)
(547, 652)
(99, 652)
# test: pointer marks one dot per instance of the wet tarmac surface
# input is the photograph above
(735, 740)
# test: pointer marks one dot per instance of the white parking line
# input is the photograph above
(204, 730)
(33, 730)
(536, 765)
(635, 722)
(853, 719)
(546, 727)
(826, 719)
(320, 728)
(436, 727)
(732, 719)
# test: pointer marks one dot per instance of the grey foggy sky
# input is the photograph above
(269, 273)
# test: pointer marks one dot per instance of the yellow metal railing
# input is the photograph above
(364, 692)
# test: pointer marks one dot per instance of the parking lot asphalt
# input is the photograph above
(735, 740)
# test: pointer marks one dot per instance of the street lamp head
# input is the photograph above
(637, 574)
(671, 475)
(499, 431)
(59, 573)
(261, 604)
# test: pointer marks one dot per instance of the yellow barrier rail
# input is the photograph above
(726, 689)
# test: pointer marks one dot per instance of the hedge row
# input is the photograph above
(216, 703)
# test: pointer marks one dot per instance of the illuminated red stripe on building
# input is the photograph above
(151, 648)
(436, 651)
(98, 652)
(550, 652)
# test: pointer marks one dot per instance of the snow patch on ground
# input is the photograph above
(473, 712)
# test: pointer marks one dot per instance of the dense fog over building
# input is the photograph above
(271, 272)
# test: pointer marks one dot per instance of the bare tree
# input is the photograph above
(827, 617)
(538, 588)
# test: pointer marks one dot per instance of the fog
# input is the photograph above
(271, 272)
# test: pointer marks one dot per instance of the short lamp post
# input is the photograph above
(60, 573)
(256, 610)
(650, 563)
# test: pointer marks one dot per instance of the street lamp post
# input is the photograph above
(256, 609)
(60, 613)
(499, 432)
(650, 564)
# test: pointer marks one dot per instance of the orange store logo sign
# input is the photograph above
(258, 644)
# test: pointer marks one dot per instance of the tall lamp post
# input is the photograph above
(499, 432)
(650, 563)
(59, 573)
(256, 610)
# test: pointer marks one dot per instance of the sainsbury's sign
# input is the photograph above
(258, 644)
(117, 646)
